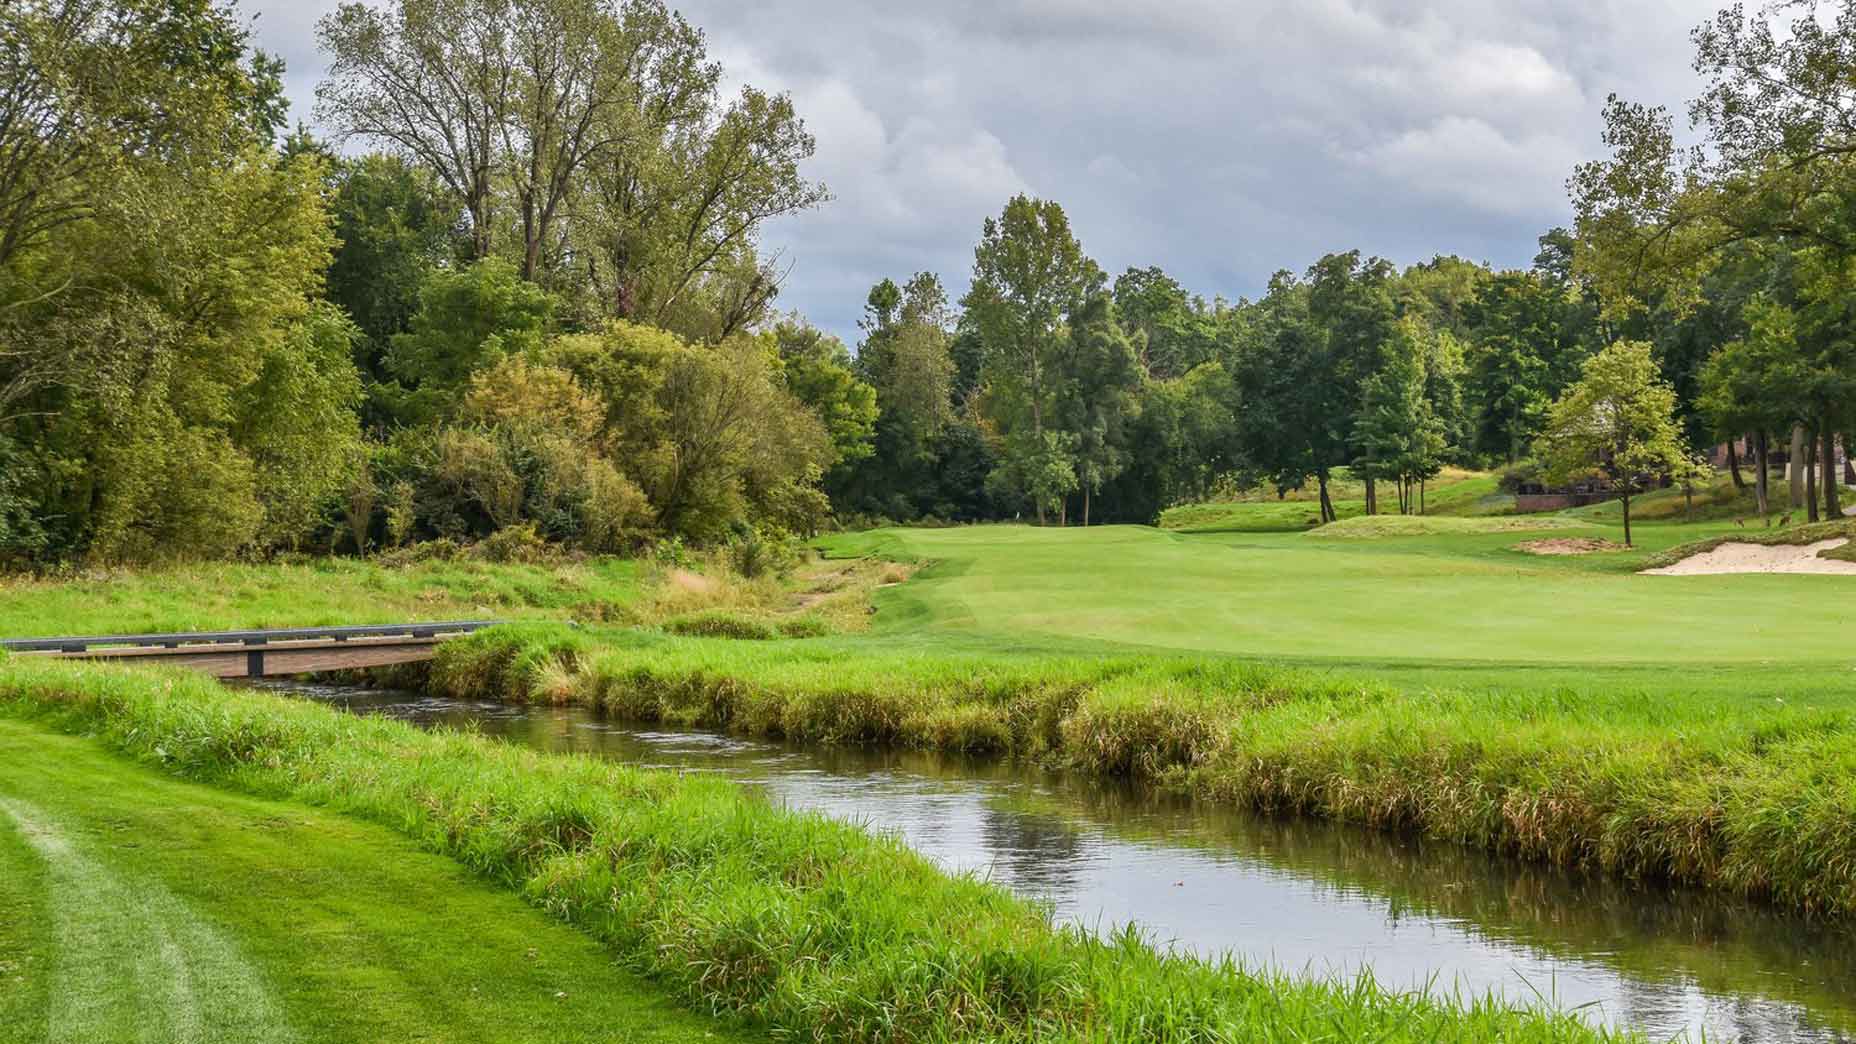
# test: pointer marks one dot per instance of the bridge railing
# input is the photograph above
(177, 639)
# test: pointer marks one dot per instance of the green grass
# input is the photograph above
(137, 907)
(1374, 527)
(1466, 609)
(1455, 492)
(820, 930)
(317, 593)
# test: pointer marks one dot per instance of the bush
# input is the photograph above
(514, 544)
(720, 623)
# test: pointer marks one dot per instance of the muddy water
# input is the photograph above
(1302, 895)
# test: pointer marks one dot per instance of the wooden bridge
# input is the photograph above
(254, 654)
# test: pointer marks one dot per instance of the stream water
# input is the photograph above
(1302, 895)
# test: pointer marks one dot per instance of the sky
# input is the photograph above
(1223, 140)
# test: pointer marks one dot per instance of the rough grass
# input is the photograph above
(319, 593)
(1372, 527)
(815, 927)
(1755, 798)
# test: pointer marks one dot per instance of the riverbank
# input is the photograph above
(811, 926)
(1752, 796)
(135, 907)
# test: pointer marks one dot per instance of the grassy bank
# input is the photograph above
(1751, 796)
(812, 926)
(137, 907)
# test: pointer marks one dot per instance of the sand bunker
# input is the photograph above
(1761, 558)
(1567, 546)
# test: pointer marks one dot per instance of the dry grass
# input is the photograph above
(819, 597)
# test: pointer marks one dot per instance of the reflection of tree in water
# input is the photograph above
(1036, 854)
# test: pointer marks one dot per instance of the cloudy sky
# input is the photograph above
(1220, 139)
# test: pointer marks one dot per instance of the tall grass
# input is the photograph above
(815, 928)
(1752, 797)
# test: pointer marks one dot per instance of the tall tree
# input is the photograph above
(1397, 433)
(1099, 395)
(1029, 275)
(435, 80)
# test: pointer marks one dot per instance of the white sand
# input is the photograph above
(1760, 558)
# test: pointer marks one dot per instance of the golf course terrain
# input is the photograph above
(1415, 673)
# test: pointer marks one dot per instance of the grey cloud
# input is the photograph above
(1221, 139)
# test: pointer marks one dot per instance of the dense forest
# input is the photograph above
(521, 289)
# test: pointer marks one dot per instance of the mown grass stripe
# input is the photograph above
(190, 984)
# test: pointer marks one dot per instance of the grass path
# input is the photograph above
(135, 908)
(185, 981)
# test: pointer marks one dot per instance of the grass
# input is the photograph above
(816, 928)
(134, 906)
(1563, 709)
(1371, 527)
(1455, 492)
(317, 593)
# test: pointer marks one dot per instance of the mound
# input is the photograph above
(1373, 527)
(1736, 557)
(1567, 546)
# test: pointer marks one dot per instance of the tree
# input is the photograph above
(466, 320)
(816, 368)
(434, 80)
(1171, 330)
(1029, 275)
(671, 223)
(1751, 384)
(1397, 432)
(1099, 395)
(395, 228)
(1617, 421)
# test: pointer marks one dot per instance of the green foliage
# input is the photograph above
(1397, 430)
(1030, 277)
(811, 926)
(816, 369)
(467, 320)
(1617, 421)
(395, 228)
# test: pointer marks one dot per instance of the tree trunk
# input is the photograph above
(1627, 542)
(1833, 507)
(1810, 479)
(1761, 486)
(1794, 466)
(1422, 483)
(1372, 496)
(1085, 507)
(1063, 511)
(1327, 506)
(1733, 465)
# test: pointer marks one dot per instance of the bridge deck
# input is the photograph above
(251, 654)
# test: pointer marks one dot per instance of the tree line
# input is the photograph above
(522, 288)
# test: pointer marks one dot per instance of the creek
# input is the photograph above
(1302, 895)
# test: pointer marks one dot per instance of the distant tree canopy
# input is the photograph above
(544, 303)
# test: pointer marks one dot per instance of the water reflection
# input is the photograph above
(1302, 895)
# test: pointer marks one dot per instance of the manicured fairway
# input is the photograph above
(1460, 599)
(137, 908)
